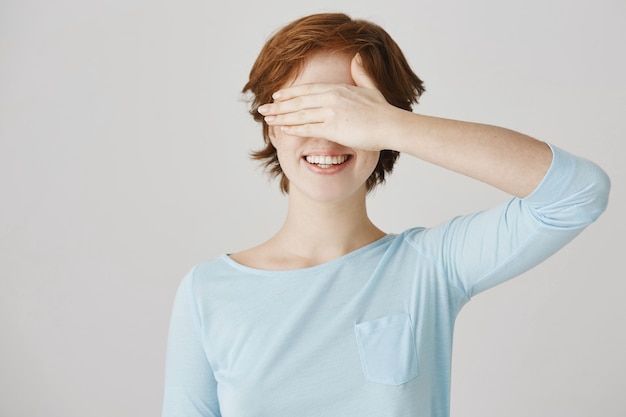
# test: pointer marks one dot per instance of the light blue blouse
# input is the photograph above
(368, 334)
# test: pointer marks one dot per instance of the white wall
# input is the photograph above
(123, 161)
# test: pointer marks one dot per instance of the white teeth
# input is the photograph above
(325, 161)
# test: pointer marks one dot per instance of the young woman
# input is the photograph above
(332, 316)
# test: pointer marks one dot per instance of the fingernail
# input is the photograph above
(262, 109)
(276, 95)
(270, 119)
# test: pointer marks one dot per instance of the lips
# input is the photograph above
(326, 161)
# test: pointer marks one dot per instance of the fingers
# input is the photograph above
(359, 75)
(295, 108)
(292, 100)
(299, 117)
(301, 90)
(296, 114)
(288, 106)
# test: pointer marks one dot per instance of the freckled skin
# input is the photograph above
(334, 184)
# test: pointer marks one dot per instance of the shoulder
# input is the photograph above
(205, 271)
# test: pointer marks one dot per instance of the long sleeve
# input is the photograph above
(190, 388)
(479, 251)
(283, 343)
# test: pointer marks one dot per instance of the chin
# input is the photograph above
(331, 193)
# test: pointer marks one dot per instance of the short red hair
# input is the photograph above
(283, 57)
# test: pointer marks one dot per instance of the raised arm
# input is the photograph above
(503, 158)
(359, 116)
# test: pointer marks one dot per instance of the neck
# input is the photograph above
(315, 232)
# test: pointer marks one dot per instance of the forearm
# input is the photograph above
(508, 160)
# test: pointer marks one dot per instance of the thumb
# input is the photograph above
(359, 75)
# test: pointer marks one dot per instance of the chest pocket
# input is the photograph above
(387, 349)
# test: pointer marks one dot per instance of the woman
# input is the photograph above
(332, 316)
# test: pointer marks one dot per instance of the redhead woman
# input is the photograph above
(332, 316)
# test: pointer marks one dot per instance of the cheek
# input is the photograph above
(287, 147)
(370, 161)
(281, 140)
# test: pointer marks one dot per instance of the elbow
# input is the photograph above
(579, 199)
(599, 190)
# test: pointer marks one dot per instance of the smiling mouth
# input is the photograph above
(326, 161)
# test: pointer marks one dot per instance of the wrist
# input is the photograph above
(399, 134)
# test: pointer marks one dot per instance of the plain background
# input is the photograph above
(123, 162)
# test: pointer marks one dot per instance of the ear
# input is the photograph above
(271, 133)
